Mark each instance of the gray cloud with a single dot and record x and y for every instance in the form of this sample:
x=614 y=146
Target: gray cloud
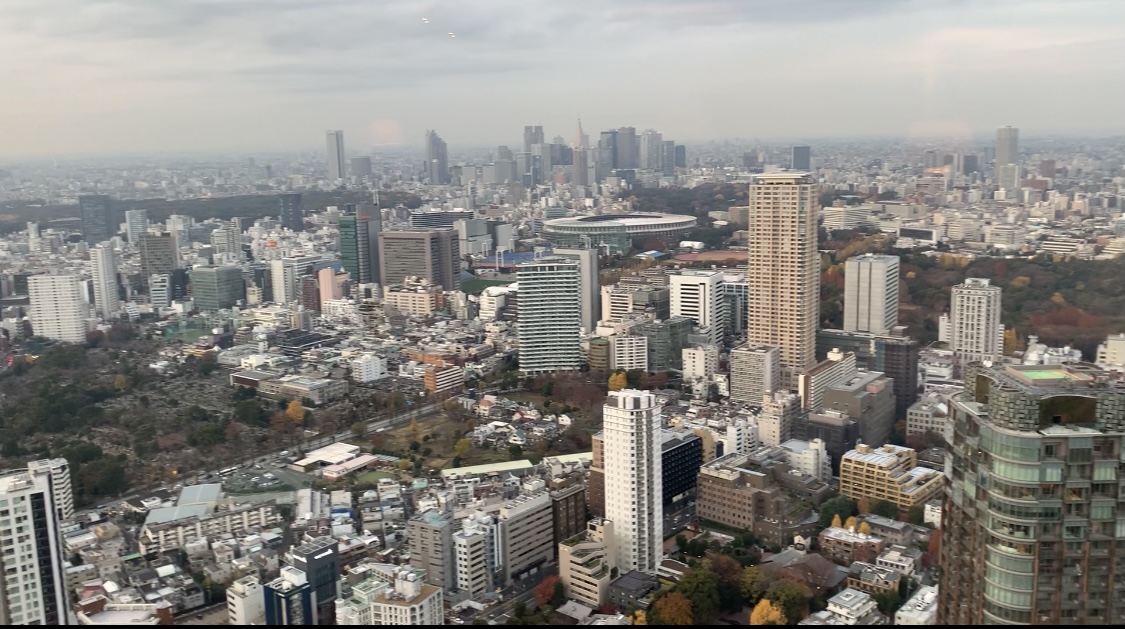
x=701 y=68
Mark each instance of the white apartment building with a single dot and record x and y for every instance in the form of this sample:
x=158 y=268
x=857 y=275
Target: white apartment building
x=784 y=288
x=409 y=601
x=176 y=533
x=103 y=262
x=633 y=442
x=930 y=413
x=975 y=331
x=550 y=315
x=586 y=563
x=477 y=553
x=847 y=217
x=809 y=457
x=32 y=590
x=839 y=367
x=246 y=603
x=1111 y=354
x=57 y=309
x=780 y=412
x=492 y=300
x=700 y=362
x=160 y=290
x=59 y=469
x=755 y=370
x=698 y=295
x=920 y=609
x=849 y=607
x=871 y=294
x=368 y=368
x=629 y=352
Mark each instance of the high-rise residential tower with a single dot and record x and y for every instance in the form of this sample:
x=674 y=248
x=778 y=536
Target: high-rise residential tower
x=549 y=315
x=58 y=310
x=437 y=159
x=801 y=159
x=651 y=153
x=1032 y=523
x=292 y=215
x=96 y=213
x=783 y=290
x=871 y=294
x=336 y=160
x=136 y=223
x=432 y=254
x=975 y=331
x=359 y=243
x=103 y=261
x=1007 y=146
x=632 y=448
x=33 y=589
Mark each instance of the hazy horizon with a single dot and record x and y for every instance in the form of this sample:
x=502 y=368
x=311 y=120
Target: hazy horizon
x=119 y=77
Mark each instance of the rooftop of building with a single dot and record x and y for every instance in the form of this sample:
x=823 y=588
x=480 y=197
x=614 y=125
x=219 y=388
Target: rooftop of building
x=884 y=456
x=636 y=583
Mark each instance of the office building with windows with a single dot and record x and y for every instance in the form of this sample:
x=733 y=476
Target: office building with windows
x=871 y=294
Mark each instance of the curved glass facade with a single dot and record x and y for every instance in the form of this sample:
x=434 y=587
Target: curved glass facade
x=1033 y=527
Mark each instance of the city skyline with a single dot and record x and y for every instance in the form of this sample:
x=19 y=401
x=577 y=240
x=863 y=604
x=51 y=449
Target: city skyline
x=940 y=81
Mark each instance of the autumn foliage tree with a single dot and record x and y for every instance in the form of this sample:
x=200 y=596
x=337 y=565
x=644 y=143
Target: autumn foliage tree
x=767 y=613
x=617 y=381
x=545 y=590
x=674 y=609
x=296 y=412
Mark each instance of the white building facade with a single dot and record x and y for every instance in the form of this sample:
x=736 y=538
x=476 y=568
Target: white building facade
x=633 y=478
x=57 y=309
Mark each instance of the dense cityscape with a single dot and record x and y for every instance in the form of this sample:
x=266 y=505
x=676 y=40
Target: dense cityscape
x=301 y=324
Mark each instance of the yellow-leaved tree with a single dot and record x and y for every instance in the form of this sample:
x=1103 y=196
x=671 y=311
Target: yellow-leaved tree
x=767 y=613
x=617 y=381
x=865 y=528
x=850 y=524
x=836 y=521
x=296 y=412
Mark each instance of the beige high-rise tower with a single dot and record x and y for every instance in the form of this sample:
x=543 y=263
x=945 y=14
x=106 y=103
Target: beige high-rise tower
x=784 y=277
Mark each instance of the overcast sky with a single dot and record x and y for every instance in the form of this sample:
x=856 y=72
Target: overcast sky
x=114 y=76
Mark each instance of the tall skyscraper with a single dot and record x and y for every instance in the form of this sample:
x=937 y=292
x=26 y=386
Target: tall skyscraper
x=432 y=254
x=58 y=310
x=104 y=263
x=227 y=241
x=975 y=331
x=668 y=158
x=549 y=315
x=437 y=159
x=158 y=253
x=292 y=215
x=801 y=158
x=33 y=590
x=607 y=151
x=589 y=286
x=1032 y=526
x=532 y=135
x=1007 y=146
x=581 y=138
x=783 y=292
x=698 y=295
x=96 y=213
x=359 y=243
x=871 y=294
x=651 y=153
x=628 y=146
x=136 y=223
x=336 y=158
x=632 y=447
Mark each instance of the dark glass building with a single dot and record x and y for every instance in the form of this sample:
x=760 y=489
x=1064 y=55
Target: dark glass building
x=96 y=213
